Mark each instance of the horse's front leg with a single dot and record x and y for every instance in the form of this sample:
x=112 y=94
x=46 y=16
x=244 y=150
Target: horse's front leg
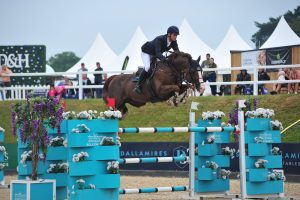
x=166 y=90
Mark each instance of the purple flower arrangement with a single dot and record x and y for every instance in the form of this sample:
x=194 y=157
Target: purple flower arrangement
x=32 y=118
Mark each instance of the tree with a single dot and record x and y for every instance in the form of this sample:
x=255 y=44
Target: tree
x=266 y=29
x=61 y=62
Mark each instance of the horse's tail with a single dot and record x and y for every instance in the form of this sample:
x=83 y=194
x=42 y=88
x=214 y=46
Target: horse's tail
x=105 y=88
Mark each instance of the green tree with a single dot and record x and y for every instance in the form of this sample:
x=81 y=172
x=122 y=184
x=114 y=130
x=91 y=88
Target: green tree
x=61 y=62
x=266 y=29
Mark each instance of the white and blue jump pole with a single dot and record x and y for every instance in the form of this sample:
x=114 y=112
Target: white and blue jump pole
x=175 y=129
x=153 y=190
x=153 y=160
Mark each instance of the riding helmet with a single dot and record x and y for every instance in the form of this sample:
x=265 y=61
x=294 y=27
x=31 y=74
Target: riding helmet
x=173 y=29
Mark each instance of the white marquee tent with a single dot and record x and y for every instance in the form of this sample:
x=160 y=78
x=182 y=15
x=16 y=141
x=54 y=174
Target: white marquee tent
x=98 y=52
x=231 y=41
x=133 y=50
x=283 y=35
x=49 y=69
x=189 y=42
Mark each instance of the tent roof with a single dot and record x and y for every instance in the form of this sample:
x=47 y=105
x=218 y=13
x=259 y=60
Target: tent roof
x=231 y=41
x=133 y=50
x=189 y=42
x=49 y=69
x=283 y=35
x=98 y=52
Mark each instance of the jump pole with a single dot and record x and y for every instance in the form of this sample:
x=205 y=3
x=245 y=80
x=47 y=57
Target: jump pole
x=241 y=104
x=192 y=156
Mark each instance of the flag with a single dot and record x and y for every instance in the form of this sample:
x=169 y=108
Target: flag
x=194 y=105
x=111 y=102
x=64 y=105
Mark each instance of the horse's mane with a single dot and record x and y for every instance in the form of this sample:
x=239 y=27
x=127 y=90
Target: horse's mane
x=179 y=59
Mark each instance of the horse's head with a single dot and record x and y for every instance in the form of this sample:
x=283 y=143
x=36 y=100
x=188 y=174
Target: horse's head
x=186 y=66
x=193 y=74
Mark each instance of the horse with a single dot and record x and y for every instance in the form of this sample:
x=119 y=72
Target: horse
x=165 y=82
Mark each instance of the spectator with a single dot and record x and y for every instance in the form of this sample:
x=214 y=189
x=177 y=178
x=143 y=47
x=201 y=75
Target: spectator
x=262 y=76
x=243 y=76
x=212 y=76
x=98 y=80
x=6 y=79
x=84 y=77
x=282 y=76
x=205 y=64
x=294 y=75
x=52 y=92
x=70 y=92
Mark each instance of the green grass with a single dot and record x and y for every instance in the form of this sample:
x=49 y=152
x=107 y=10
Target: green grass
x=286 y=107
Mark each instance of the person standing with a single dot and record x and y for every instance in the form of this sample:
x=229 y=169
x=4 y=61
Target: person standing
x=212 y=76
x=156 y=48
x=98 y=80
x=205 y=64
x=84 y=77
x=6 y=79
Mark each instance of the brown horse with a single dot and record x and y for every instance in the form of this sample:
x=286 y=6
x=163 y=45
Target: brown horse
x=166 y=82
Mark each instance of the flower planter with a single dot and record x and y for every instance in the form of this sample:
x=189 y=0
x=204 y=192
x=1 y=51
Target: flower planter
x=60 y=178
x=274 y=161
x=27 y=169
x=95 y=125
x=106 y=153
x=84 y=168
x=220 y=137
x=209 y=123
x=207 y=150
x=57 y=153
x=91 y=194
x=1 y=136
x=261 y=149
x=216 y=185
x=108 y=181
x=267 y=136
x=258 y=124
x=257 y=175
x=32 y=190
x=206 y=174
x=1 y=175
x=61 y=193
x=63 y=128
x=83 y=140
x=1 y=156
x=221 y=160
x=268 y=187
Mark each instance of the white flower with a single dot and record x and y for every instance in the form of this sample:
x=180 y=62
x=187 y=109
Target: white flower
x=2 y=129
x=260 y=113
x=110 y=114
x=80 y=156
x=212 y=115
x=225 y=173
x=65 y=143
x=276 y=125
x=92 y=186
x=80 y=181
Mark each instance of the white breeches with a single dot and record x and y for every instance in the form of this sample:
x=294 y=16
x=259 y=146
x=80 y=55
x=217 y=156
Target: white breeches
x=146 y=61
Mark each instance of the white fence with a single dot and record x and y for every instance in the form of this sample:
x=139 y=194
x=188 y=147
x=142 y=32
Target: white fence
x=19 y=92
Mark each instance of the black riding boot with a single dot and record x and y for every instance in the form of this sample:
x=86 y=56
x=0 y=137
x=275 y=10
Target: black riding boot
x=142 y=78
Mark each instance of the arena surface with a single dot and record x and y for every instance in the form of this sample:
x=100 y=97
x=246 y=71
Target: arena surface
x=291 y=189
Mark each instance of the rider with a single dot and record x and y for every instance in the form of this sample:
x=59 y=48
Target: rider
x=155 y=48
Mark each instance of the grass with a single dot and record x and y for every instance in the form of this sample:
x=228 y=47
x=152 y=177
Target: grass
x=286 y=107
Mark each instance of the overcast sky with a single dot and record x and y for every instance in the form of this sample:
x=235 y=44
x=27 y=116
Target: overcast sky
x=72 y=25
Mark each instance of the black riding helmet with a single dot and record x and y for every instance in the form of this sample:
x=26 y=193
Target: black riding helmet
x=173 y=29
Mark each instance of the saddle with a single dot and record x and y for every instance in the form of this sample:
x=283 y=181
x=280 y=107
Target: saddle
x=151 y=71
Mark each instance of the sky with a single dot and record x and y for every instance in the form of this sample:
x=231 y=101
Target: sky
x=72 y=25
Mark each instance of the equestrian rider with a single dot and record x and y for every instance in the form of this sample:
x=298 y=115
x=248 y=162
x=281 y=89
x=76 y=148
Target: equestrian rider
x=155 y=48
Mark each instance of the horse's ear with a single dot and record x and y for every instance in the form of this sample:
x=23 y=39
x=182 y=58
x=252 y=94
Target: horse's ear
x=199 y=58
